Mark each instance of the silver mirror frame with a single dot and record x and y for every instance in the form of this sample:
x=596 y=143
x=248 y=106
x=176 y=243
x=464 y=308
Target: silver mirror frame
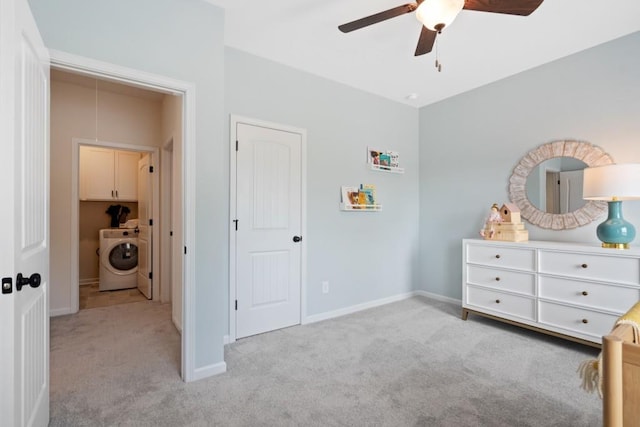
x=590 y=154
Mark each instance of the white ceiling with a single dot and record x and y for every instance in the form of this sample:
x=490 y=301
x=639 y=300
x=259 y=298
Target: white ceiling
x=478 y=47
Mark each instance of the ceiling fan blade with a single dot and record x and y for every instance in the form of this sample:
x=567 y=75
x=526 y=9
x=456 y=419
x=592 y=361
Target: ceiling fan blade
x=378 y=17
x=425 y=42
x=510 y=7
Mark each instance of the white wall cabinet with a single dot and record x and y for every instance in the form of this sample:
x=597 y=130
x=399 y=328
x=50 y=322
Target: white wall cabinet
x=107 y=174
x=575 y=291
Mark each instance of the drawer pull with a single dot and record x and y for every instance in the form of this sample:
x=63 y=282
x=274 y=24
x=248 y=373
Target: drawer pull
x=585 y=293
x=498 y=256
x=497 y=301
x=584 y=266
x=497 y=279
x=585 y=321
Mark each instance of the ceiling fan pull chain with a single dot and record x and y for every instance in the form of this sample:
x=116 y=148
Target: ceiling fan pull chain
x=438 y=63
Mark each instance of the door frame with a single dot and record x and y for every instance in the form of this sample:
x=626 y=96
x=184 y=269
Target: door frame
x=103 y=70
x=234 y=120
x=166 y=256
x=75 y=211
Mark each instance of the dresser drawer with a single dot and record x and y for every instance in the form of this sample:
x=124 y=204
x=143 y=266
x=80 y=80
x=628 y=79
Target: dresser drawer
x=575 y=319
x=596 y=295
x=518 y=259
x=495 y=301
x=514 y=281
x=595 y=267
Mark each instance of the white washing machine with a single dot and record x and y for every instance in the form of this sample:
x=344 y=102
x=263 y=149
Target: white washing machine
x=118 y=259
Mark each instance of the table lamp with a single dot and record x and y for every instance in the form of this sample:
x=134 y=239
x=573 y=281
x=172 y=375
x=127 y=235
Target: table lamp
x=613 y=184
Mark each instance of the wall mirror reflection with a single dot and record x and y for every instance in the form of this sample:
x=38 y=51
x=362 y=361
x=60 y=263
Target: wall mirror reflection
x=546 y=184
x=555 y=185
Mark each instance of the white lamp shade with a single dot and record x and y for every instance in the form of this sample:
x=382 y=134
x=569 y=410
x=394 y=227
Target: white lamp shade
x=434 y=12
x=612 y=182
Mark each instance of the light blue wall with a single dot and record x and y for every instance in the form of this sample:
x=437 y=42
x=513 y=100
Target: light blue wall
x=469 y=145
x=364 y=255
x=152 y=36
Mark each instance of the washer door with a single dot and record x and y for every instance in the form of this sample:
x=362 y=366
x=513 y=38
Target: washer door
x=123 y=258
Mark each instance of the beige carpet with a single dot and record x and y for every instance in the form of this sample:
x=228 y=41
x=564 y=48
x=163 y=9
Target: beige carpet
x=411 y=363
x=91 y=297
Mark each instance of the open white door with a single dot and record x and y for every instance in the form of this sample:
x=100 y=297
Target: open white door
x=24 y=264
x=145 y=274
x=571 y=191
x=269 y=223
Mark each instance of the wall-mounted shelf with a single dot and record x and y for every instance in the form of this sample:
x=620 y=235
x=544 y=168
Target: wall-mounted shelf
x=388 y=169
x=360 y=208
x=360 y=198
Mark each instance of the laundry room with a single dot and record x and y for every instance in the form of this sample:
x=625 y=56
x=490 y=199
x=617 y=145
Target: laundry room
x=108 y=242
x=102 y=134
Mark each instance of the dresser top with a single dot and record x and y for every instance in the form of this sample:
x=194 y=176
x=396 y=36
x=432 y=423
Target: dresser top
x=634 y=251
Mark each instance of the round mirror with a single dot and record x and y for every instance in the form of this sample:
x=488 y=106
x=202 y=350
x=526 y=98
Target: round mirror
x=544 y=202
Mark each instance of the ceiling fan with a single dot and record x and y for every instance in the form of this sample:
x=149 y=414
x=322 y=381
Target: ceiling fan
x=437 y=14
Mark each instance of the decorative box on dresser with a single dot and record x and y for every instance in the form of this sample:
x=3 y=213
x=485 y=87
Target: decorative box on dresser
x=571 y=290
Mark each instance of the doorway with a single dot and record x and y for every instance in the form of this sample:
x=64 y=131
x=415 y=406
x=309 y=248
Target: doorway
x=124 y=123
x=267 y=256
x=185 y=137
x=115 y=257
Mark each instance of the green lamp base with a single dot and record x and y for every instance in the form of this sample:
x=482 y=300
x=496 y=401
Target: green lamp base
x=616 y=232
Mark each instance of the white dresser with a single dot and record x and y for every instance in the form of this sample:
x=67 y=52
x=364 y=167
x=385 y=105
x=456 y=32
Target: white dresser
x=572 y=290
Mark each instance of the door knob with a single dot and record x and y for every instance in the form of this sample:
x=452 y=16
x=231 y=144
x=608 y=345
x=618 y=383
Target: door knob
x=297 y=238
x=33 y=281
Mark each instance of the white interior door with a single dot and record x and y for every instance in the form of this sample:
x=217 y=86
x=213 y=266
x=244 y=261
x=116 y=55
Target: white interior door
x=145 y=224
x=268 y=252
x=571 y=191
x=24 y=150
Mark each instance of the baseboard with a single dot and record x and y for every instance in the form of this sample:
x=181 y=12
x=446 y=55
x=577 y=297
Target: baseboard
x=175 y=325
x=438 y=297
x=376 y=303
x=355 y=308
x=84 y=282
x=209 y=371
x=60 y=312
x=226 y=340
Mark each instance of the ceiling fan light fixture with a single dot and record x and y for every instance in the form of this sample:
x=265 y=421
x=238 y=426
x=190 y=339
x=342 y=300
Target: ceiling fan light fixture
x=437 y=14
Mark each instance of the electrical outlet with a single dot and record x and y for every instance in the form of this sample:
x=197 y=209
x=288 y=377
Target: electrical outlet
x=325 y=287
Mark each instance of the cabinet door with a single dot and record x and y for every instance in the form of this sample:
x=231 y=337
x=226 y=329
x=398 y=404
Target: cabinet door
x=126 y=175
x=96 y=173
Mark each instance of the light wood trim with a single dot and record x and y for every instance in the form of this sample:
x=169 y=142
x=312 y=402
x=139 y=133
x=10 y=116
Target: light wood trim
x=621 y=378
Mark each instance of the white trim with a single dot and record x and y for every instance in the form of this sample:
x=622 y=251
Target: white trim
x=164 y=224
x=187 y=90
x=356 y=308
x=115 y=73
x=209 y=371
x=376 y=303
x=437 y=297
x=234 y=120
x=61 y=312
x=225 y=339
x=233 y=129
x=189 y=234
